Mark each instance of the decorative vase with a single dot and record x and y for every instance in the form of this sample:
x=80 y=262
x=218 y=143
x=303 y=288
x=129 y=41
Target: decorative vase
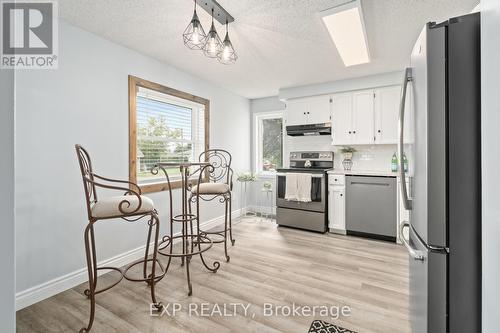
x=347 y=164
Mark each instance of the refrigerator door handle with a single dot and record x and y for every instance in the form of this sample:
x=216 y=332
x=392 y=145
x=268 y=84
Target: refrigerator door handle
x=407 y=203
x=415 y=254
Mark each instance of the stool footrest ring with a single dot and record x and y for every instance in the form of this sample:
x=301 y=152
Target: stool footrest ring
x=214 y=233
x=167 y=241
x=160 y=274
x=120 y=278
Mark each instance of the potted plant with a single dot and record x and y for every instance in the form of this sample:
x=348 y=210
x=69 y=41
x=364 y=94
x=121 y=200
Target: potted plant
x=246 y=177
x=347 y=152
x=267 y=186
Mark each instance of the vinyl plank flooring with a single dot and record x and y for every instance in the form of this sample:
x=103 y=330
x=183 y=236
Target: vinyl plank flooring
x=269 y=264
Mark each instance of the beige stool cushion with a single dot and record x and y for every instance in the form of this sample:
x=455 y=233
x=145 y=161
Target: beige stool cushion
x=109 y=207
x=211 y=188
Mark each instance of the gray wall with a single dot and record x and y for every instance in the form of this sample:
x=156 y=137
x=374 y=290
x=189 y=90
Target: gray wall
x=490 y=28
x=86 y=101
x=7 y=278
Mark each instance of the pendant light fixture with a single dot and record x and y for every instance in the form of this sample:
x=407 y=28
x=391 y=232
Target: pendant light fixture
x=213 y=44
x=227 y=55
x=194 y=36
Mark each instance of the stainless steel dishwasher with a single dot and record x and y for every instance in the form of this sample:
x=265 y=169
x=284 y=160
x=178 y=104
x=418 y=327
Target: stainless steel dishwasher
x=371 y=206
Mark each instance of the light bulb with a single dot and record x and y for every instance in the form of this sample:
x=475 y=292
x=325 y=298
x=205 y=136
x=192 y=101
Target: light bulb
x=212 y=45
x=226 y=53
x=196 y=36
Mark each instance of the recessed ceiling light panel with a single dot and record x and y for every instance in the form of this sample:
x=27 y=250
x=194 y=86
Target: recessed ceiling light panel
x=347 y=29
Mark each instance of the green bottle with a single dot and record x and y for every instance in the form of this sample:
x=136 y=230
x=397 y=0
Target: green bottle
x=405 y=163
x=394 y=163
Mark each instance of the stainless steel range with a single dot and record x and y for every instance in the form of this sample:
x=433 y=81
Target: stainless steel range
x=305 y=215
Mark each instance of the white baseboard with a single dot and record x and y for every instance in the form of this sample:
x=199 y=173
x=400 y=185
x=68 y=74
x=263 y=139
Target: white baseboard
x=50 y=288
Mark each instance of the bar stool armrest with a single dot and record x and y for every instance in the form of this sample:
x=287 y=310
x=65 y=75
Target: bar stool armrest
x=131 y=184
x=128 y=191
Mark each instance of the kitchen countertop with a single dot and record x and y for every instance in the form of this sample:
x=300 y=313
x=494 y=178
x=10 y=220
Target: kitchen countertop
x=363 y=173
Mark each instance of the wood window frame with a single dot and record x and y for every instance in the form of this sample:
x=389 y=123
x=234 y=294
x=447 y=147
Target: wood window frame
x=134 y=83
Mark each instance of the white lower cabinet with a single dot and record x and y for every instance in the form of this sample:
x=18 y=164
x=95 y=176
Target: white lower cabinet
x=336 y=205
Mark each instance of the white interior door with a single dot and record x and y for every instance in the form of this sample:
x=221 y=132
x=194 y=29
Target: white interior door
x=386 y=114
x=342 y=119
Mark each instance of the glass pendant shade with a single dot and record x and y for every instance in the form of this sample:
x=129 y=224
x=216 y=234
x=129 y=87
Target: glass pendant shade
x=227 y=55
x=194 y=36
x=213 y=44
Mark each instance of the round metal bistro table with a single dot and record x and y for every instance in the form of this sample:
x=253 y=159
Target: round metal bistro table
x=192 y=241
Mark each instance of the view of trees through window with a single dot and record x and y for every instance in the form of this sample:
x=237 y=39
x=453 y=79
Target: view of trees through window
x=166 y=133
x=272 y=144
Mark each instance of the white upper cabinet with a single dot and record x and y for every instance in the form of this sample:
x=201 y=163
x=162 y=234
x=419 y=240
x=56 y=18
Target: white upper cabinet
x=311 y=110
x=296 y=112
x=386 y=114
x=366 y=117
x=352 y=118
x=342 y=119
x=362 y=111
x=319 y=110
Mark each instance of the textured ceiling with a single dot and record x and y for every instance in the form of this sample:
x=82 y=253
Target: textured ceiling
x=280 y=43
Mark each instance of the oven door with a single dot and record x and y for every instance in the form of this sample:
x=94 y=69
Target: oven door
x=318 y=194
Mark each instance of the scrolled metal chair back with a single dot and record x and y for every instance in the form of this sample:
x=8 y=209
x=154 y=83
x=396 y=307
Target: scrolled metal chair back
x=87 y=177
x=220 y=160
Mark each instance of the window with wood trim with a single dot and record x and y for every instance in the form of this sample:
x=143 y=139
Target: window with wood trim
x=165 y=125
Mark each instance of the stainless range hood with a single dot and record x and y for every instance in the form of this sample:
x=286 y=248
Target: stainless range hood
x=312 y=129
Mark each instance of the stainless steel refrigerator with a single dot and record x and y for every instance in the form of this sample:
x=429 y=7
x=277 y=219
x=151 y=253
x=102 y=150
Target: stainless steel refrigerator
x=440 y=135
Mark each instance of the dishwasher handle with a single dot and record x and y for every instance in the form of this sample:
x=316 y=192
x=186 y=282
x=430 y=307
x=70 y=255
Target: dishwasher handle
x=369 y=183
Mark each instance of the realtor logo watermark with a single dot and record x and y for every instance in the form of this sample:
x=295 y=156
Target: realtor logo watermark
x=29 y=34
x=247 y=310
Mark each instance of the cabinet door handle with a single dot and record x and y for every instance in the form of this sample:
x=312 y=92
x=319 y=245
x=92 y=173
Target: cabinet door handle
x=341 y=195
x=350 y=132
x=354 y=132
x=379 y=131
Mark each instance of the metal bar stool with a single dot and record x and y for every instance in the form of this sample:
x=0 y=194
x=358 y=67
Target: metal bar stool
x=130 y=206
x=193 y=241
x=218 y=186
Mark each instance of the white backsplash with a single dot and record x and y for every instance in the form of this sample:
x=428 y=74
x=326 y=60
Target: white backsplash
x=367 y=157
